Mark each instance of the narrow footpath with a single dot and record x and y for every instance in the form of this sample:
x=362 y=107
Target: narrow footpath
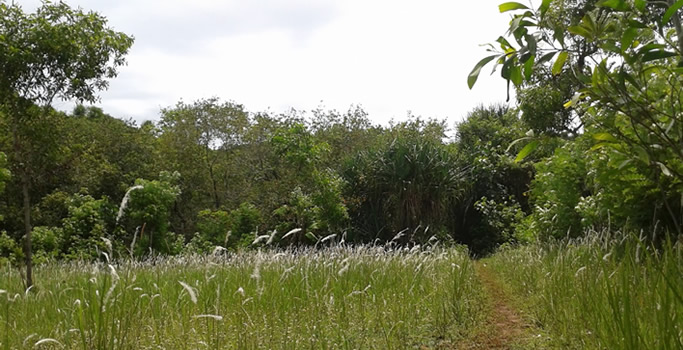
x=504 y=327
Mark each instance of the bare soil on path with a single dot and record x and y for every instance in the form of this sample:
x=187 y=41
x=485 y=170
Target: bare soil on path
x=504 y=327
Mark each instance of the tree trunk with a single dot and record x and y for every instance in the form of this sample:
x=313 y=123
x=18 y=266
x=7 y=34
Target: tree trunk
x=28 y=251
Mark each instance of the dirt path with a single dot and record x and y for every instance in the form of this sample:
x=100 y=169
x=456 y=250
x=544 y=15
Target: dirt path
x=505 y=328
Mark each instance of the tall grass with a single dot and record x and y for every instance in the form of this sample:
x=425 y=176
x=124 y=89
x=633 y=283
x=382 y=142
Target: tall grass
x=338 y=298
x=602 y=292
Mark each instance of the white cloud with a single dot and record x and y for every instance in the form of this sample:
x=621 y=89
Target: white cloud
x=389 y=56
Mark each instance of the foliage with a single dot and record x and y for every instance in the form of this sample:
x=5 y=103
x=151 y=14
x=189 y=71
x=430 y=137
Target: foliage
x=407 y=183
x=300 y=216
x=56 y=52
x=150 y=209
x=556 y=192
x=624 y=57
x=10 y=251
x=47 y=243
x=214 y=226
x=88 y=222
x=4 y=173
x=497 y=184
x=245 y=220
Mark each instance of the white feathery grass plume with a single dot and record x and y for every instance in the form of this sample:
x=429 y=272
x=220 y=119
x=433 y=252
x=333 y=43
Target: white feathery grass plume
x=124 y=201
x=47 y=341
x=114 y=282
x=240 y=291
x=227 y=237
x=328 y=237
x=272 y=237
x=218 y=250
x=107 y=243
x=132 y=244
x=256 y=274
x=215 y=317
x=32 y=335
x=190 y=291
x=260 y=239
x=579 y=271
x=399 y=235
x=291 y=232
x=343 y=269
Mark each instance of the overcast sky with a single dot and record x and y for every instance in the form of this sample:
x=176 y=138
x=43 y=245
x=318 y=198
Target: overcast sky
x=390 y=57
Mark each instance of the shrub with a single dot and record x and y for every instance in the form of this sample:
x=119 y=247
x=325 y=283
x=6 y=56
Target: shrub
x=214 y=226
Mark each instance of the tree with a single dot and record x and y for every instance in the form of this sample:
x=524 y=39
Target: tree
x=627 y=57
x=56 y=52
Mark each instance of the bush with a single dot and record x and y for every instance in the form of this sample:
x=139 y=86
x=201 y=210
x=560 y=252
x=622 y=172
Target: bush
x=88 y=221
x=406 y=184
x=10 y=250
x=245 y=220
x=46 y=243
x=149 y=208
x=214 y=226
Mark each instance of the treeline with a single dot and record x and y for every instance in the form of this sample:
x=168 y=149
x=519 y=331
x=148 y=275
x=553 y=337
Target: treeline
x=211 y=173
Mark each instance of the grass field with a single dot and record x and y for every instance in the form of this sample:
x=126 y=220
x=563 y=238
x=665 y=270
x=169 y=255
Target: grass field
x=599 y=293
x=602 y=292
x=337 y=298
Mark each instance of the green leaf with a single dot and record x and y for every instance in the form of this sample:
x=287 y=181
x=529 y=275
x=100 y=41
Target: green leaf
x=504 y=44
x=628 y=37
x=545 y=5
x=547 y=57
x=530 y=147
x=530 y=135
x=671 y=11
x=474 y=75
x=600 y=145
x=529 y=67
x=582 y=31
x=511 y=6
x=618 y=5
x=516 y=75
x=559 y=63
x=640 y=4
x=506 y=71
x=657 y=55
x=603 y=136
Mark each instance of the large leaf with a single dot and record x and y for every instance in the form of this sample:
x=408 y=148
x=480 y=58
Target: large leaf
x=516 y=75
x=530 y=147
x=671 y=11
x=582 y=31
x=657 y=55
x=511 y=6
x=559 y=63
x=474 y=75
x=628 y=38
